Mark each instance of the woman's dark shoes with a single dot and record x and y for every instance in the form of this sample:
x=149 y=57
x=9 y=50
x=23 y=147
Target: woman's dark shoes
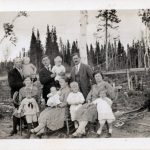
x=13 y=132
x=40 y=135
x=108 y=135
x=99 y=135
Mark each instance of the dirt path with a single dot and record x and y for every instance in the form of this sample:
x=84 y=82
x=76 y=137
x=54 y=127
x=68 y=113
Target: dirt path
x=131 y=129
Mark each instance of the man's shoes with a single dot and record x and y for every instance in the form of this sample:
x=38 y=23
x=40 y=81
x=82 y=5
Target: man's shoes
x=78 y=135
x=13 y=132
x=108 y=135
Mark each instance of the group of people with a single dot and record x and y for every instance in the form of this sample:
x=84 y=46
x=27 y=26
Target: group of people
x=84 y=92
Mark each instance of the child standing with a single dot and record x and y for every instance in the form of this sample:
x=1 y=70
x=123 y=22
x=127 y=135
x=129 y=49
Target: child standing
x=28 y=69
x=58 y=69
x=104 y=112
x=75 y=99
x=31 y=110
x=53 y=97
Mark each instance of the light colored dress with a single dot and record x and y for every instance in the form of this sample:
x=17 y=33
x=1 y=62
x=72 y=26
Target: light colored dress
x=58 y=70
x=22 y=95
x=53 y=100
x=28 y=70
x=75 y=100
x=89 y=112
x=54 y=118
x=104 y=109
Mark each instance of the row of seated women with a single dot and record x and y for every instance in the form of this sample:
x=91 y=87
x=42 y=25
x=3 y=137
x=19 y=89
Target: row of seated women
x=97 y=105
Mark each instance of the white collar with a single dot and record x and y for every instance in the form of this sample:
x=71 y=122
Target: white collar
x=49 y=66
x=18 y=69
x=78 y=66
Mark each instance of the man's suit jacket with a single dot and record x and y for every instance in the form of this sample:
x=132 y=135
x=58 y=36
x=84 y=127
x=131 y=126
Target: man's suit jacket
x=47 y=81
x=15 y=81
x=86 y=74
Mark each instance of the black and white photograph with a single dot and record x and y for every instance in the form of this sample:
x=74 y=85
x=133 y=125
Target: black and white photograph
x=75 y=74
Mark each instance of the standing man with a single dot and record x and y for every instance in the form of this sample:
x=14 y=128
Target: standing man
x=15 y=77
x=15 y=80
x=82 y=74
x=46 y=76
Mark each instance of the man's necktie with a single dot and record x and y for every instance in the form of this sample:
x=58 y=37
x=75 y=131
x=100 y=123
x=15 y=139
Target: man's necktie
x=76 y=69
x=48 y=68
x=20 y=71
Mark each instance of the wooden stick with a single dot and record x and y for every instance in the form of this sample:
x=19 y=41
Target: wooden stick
x=20 y=126
x=144 y=124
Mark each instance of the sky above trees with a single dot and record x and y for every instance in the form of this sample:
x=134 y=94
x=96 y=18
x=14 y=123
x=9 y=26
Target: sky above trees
x=68 y=28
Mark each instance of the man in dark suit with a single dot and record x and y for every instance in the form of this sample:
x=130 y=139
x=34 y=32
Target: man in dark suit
x=82 y=74
x=46 y=77
x=15 y=80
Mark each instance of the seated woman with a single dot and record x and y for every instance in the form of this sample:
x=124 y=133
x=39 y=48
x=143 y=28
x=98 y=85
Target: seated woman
x=88 y=112
x=22 y=95
x=54 y=117
x=34 y=90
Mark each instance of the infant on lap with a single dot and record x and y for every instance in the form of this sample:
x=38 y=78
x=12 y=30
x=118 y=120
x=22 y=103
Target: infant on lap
x=53 y=100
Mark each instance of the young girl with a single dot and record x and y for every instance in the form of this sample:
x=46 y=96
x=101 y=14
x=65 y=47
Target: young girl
x=28 y=69
x=75 y=100
x=53 y=97
x=104 y=112
x=58 y=69
x=31 y=110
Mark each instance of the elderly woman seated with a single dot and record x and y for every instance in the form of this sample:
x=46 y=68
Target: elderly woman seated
x=88 y=112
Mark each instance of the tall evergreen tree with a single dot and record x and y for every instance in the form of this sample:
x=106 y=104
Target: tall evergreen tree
x=97 y=53
x=52 y=49
x=108 y=17
x=88 y=54
x=33 y=55
x=103 y=54
x=55 y=44
x=121 y=56
x=91 y=56
x=48 y=43
x=74 y=48
x=68 y=54
x=39 y=50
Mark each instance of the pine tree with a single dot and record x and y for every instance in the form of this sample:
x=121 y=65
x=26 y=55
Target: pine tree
x=55 y=44
x=97 y=53
x=33 y=55
x=134 y=55
x=39 y=51
x=128 y=56
x=91 y=56
x=68 y=54
x=121 y=56
x=65 y=53
x=103 y=53
x=52 y=49
x=88 y=54
x=74 y=48
x=48 y=43
x=109 y=17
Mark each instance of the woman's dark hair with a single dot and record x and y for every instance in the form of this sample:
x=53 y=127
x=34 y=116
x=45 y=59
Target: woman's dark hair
x=65 y=78
x=98 y=72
